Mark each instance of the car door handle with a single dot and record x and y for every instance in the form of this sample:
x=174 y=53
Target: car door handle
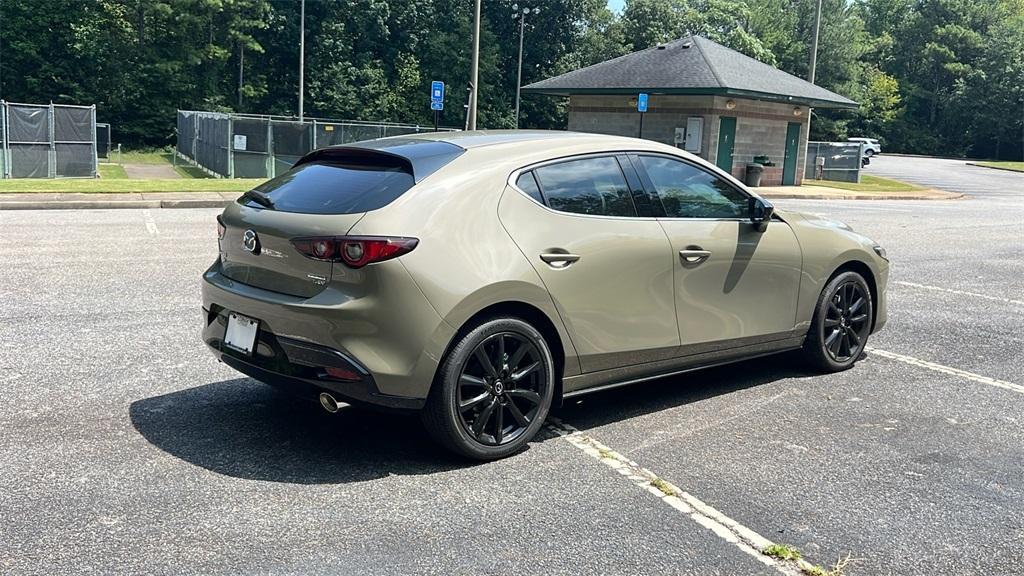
x=693 y=256
x=559 y=259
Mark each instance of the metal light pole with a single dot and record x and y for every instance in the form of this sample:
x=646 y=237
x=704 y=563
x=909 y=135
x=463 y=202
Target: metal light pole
x=241 y=72
x=474 y=69
x=522 y=26
x=814 y=44
x=302 y=57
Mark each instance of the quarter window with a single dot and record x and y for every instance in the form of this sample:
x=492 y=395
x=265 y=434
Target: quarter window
x=689 y=192
x=593 y=186
x=528 y=184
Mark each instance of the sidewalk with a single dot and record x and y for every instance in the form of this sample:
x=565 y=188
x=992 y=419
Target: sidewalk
x=79 y=201
x=827 y=193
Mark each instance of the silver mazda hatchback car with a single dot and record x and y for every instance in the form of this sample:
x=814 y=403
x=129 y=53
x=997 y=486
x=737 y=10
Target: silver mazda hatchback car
x=482 y=277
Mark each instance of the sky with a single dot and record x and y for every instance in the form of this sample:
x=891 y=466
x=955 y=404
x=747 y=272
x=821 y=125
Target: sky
x=616 y=5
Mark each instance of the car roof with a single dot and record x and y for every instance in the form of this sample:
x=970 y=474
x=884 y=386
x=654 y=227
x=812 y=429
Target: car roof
x=428 y=151
x=469 y=139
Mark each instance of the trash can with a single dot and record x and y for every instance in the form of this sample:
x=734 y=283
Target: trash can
x=754 y=172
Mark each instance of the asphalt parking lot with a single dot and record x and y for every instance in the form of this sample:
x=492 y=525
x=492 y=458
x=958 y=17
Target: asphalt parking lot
x=126 y=448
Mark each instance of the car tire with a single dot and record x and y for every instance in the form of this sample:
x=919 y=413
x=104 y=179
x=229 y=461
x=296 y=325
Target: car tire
x=493 y=390
x=869 y=153
x=841 y=324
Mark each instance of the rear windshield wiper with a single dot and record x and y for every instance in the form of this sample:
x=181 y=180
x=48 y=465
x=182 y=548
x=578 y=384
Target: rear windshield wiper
x=259 y=198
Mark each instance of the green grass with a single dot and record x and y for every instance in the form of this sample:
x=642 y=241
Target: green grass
x=1018 y=166
x=144 y=156
x=664 y=487
x=112 y=172
x=114 y=180
x=867 y=183
x=116 y=185
x=782 y=552
x=160 y=156
x=190 y=171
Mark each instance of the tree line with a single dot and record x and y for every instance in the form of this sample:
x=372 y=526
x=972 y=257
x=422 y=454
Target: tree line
x=932 y=76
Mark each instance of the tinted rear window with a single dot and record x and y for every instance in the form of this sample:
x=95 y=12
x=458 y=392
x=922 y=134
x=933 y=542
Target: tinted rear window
x=527 y=184
x=587 y=186
x=337 y=187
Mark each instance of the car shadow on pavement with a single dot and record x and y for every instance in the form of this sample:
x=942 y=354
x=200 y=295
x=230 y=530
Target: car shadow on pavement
x=600 y=408
x=245 y=429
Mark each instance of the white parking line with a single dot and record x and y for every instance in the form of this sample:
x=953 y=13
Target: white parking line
x=724 y=527
x=150 y=223
x=959 y=292
x=947 y=370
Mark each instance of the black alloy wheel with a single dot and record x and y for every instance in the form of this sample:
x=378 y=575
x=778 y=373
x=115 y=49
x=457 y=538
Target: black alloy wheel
x=500 y=388
x=847 y=323
x=493 y=390
x=841 y=324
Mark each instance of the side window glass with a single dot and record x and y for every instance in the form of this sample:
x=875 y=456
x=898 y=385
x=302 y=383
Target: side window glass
x=593 y=186
x=689 y=192
x=528 y=184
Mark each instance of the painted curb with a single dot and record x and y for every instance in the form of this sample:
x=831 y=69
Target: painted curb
x=112 y=204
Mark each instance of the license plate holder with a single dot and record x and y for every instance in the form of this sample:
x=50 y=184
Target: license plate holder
x=241 y=332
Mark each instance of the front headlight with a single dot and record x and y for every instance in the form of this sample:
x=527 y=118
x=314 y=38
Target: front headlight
x=881 y=252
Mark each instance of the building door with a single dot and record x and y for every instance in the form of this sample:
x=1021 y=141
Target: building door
x=789 y=165
x=726 y=143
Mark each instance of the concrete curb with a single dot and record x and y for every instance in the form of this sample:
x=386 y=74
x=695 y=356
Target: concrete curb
x=902 y=155
x=855 y=197
x=111 y=204
x=996 y=168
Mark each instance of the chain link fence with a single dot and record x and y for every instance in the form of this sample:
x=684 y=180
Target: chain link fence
x=836 y=161
x=47 y=141
x=252 y=146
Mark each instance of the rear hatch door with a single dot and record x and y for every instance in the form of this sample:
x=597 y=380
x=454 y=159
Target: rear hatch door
x=323 y=195
x=257 y=250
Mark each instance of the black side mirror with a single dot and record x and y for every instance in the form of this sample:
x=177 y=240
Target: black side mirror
x=760 y=213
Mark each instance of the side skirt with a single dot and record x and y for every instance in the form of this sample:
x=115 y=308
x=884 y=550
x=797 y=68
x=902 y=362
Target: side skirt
x=608 y=379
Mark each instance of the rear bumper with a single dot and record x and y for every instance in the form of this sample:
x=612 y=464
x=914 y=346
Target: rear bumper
x=387 y=331
x=298 y=367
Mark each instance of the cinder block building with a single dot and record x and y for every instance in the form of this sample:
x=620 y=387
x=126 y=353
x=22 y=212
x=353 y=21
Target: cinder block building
x=708 y=99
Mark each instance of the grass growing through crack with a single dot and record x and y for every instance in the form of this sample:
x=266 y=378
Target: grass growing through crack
x=781 y=551
x=665 y=487
x=606 y=453
x=837 y=570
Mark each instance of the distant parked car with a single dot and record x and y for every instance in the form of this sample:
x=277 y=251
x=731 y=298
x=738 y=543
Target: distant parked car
x=871 y=145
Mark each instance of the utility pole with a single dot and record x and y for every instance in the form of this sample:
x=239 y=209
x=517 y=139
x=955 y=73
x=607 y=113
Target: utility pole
x=810 y=77
x=474 y=69
x=814 y=44
x=522 y=26
x=302 y=57
x=241 y=72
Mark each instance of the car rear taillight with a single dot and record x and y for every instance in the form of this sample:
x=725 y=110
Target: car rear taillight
x=221 y=229
x=354 y=251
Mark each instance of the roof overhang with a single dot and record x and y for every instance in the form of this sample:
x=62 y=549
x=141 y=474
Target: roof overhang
x=748 y=94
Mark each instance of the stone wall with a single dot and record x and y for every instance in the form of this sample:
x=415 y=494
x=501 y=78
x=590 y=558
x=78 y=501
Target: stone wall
x=760 y=126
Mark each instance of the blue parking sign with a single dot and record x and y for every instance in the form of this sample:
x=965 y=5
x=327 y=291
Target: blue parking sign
x=437 y=91
x=436 y=105
x=641 y=102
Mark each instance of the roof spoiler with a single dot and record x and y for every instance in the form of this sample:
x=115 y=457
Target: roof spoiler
x=419 y=157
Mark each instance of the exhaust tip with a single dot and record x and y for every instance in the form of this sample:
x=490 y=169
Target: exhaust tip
x=330 y=403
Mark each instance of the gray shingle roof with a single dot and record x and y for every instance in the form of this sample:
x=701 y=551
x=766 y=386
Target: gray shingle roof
x=691 y=65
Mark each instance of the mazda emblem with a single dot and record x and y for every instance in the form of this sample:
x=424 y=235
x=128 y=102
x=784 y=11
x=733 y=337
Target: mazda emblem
x=251 y=242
